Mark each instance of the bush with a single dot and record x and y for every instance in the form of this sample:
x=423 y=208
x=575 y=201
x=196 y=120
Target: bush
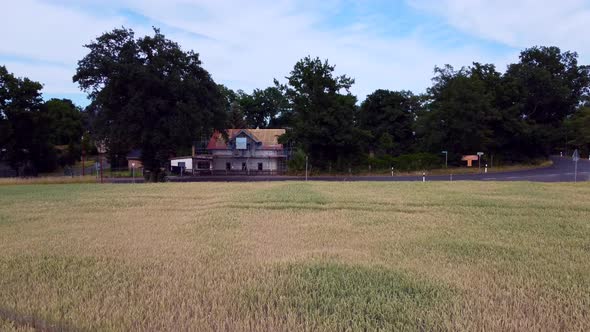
x=416 y=162
x=381 y=162
x=407 y=162
x=297 y=162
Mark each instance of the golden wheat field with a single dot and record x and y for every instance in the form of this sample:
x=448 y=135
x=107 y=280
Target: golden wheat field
x=295 y=256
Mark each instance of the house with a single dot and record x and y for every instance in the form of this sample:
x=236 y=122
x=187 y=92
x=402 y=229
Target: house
x=246 y=151
x=134 y=159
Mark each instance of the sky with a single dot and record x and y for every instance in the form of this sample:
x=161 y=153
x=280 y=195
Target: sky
x=382 y=44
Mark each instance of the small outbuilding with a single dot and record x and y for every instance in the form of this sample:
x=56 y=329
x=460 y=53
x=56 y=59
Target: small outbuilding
x=182 y=162
x=134 y=159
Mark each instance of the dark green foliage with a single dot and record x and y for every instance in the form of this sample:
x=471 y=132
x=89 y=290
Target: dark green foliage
x=324 y=115
x=263 y=108
x=407 y=162
x=417 y=161
x=25 y=132
x=65 y=121
x=461 y=112
x=148 y=93
x=578 y=128
x=236 y=117
x=297 y=162
x=389 y=117
x=542 y=90
x=517 y=116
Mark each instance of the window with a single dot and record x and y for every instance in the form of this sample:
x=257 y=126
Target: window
x=260 y=166
x=241 y=143
x=244 y=167
x=228 y=166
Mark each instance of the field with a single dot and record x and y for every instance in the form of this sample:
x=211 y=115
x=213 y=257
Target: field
x=295 y=256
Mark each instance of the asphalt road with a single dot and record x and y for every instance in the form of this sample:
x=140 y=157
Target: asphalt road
x=562 y=170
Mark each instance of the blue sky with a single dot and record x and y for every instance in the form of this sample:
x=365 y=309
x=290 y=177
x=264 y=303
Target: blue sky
x=246 y=44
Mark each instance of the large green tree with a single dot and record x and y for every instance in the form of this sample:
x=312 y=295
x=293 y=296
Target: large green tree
x=578 y=129
x=263 y=107
x=236 y=116
x=66 y=128
x=544 y=88
x=148 y=93
x=389 y=117
x=24 y=131
x=461 y=111
x=324 y=114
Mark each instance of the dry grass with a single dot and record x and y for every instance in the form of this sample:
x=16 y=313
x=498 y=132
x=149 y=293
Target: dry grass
x=48 y=180
x=295 y=256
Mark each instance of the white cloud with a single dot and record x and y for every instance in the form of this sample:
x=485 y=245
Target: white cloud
x=254 y=42
x=519 y=23
x=55 y=79
x=243 y=44
x=51 y=33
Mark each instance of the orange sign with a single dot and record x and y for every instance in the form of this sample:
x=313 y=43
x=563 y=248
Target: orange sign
x=470 y=159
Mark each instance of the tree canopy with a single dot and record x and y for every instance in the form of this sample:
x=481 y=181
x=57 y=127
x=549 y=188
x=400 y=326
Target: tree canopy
x=389 y=117
x=324 y=113
x=148 y=93
x=24 y=130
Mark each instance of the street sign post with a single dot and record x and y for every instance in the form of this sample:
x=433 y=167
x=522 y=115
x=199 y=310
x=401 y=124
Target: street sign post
x=446 y=153
x=576 y=158
x=479 y=154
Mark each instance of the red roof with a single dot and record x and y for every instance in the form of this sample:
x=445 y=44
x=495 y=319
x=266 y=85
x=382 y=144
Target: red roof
x=268 y=137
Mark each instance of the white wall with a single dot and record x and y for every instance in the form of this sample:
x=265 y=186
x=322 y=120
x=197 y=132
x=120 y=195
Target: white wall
x=188 y=162
x=268 y=164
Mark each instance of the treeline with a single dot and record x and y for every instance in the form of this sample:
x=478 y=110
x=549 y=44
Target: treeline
x=148 y=93
x=537 y=107
x=36 y=135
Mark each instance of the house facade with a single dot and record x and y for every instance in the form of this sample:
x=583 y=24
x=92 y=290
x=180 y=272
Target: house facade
x=245 y=151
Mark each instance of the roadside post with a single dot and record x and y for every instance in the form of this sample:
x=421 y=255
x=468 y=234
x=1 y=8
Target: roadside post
x=446 y=153
x=391 y=170
x=423 y=176
x=306 y=168
x=133 y=171
x=479 y=154
x=486 y=169
x=83 y=156
x=101 y=149
x=576 y=158
x=100 y=158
